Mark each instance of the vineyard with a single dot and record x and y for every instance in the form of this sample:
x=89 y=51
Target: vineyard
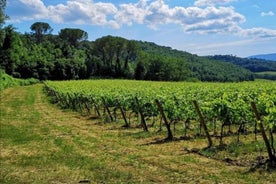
x=220 y=112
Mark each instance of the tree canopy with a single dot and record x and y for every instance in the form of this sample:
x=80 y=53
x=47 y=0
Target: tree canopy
x=73 y=35
x=3 y=16
x=39 y=29
x=69 y=55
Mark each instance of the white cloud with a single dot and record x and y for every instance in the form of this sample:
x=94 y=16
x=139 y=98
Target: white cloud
x=74 y=11
x=242 y=47
x=83 y=12
x=28 y=10
x=152 y=13
x=209 y=19
x=191 y=19
x=130 y=13
x=211 y=2
x=257 y=32
x=270 y=13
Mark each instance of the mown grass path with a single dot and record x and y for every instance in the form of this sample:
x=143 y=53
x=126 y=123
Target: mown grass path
x=41 y=143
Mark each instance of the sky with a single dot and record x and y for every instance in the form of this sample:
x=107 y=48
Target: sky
x=203 y=27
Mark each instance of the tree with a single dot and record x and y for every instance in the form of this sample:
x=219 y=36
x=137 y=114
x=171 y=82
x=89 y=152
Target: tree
x=2 y=20
x=116 y=54
x=39 y=29
x=12 y=51
x=3 y=16
x=73 y=36
x=139 y=72
x=131 y=55
x=154 y=71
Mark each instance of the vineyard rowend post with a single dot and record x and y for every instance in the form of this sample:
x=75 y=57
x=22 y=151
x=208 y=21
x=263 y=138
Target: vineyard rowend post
x=123 y=114
x=258 y=117
x=95 y=106
x=203 y=124
x=143 y=122
x=170 y=135
x=106 y=107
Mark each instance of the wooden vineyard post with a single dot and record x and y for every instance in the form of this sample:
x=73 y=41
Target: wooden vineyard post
x=203 y=124
x=123 y=114
x=160 y=108
x=96 y=107
x=87 y=108
x=258 y=117
x=143 y=122
x=106 y=107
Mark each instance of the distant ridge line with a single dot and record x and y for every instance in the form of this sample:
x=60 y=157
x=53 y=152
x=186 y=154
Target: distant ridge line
x=269 y=57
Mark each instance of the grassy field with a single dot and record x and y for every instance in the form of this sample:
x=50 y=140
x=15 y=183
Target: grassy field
x=42 y=144
x=268 y=72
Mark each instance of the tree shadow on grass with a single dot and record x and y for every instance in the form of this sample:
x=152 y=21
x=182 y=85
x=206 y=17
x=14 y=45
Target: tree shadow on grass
x=167 y=140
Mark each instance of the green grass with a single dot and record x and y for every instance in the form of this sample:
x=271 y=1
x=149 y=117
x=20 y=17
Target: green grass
x=42 y=144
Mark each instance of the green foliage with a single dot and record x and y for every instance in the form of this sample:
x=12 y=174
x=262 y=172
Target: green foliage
x=73 y=36
x=8 y=81
x=252 y=64
x=117 y=54
x=12 y=51
x=139 y=73
x=3 y=17
x=69 y=55
x=200 y=68
x=160 y=68
x=39 y=29
x=61 y=147
x=2 y=13
x=229 y=102
x=269 y=75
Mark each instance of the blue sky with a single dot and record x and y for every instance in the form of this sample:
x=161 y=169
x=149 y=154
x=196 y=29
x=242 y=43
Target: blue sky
x=203 y=27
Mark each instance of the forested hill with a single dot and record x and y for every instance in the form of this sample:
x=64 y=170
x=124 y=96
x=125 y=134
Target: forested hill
x=268 y=57
x=252 y=64
x=69 y=55
x=202 y=68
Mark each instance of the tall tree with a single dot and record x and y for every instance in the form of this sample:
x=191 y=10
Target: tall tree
x=73 y=36
x=131 y=55
x=12 y=51
x=139 y=72
x=39 y=29
x=3 y=16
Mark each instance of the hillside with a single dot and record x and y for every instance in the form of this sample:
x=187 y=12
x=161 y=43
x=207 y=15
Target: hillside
x=70 y=55
x=202 y=68
x=268 y=57
x=254 y=65
x=266 y=75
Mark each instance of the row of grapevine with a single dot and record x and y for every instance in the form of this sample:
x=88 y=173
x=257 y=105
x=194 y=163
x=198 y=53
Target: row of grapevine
x=223 y=103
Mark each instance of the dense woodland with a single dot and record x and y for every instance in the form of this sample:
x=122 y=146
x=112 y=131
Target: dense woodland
x=69 y=55
x=252 y=64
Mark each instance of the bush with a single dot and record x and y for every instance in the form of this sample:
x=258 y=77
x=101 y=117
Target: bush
x=8 y=81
